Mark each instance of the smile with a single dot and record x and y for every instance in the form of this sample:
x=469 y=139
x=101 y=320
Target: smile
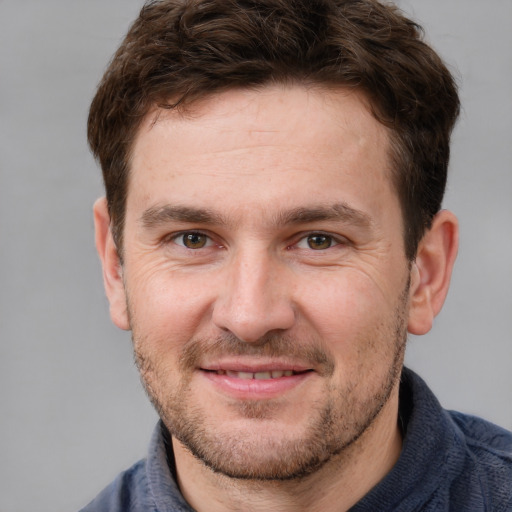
x=274 y=374
x=261 y=383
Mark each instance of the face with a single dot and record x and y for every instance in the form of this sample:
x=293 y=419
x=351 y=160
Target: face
x=265 y=277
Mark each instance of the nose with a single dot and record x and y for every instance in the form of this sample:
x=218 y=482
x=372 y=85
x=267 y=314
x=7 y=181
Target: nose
x=255 y=297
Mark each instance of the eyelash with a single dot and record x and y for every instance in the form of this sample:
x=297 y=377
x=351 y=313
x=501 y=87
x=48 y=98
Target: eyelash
x=181 y=236
x=332 y=240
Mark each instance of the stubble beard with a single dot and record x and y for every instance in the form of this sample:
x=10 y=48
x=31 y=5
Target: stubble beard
x=333 y=428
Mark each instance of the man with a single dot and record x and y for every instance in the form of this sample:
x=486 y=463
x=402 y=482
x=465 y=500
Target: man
x=271 y=231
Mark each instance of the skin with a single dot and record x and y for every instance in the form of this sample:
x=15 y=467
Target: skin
x=263 y=234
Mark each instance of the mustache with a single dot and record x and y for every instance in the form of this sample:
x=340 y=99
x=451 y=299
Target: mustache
x=272 y=345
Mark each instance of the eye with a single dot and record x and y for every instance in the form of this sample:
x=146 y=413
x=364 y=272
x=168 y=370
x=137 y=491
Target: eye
x=317 y=242
x=193 y=240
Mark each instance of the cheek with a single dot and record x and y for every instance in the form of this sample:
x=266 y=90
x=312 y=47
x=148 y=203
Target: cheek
x=348 y=312
x=340 y=297
x=166 y=309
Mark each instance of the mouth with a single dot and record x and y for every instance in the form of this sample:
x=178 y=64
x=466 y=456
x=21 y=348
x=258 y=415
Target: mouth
x=260 y=375
x=258 y=382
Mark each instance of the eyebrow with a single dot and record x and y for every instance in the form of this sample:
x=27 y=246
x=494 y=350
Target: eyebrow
x=174 y=213
x=341 y=212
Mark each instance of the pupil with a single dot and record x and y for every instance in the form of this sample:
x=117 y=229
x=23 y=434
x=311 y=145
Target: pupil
x=194 y=240
x=319 y=242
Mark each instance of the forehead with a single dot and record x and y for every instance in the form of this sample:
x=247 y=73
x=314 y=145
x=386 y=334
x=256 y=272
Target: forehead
x=270 y=111
x=278 y=144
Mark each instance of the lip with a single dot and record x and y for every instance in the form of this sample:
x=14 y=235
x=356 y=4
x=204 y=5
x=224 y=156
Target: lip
x=255 y=366
x=222 y=375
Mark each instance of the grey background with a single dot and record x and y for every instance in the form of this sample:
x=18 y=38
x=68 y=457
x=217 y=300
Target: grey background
x=73 y=413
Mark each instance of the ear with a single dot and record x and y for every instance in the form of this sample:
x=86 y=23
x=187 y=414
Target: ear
x=432 y=270
x=112 y=269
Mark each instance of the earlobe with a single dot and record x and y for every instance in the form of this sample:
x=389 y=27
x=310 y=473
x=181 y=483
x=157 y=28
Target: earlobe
x=112 y=269
x=431 y=271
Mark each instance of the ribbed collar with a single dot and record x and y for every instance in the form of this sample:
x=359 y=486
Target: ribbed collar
x=432 y=450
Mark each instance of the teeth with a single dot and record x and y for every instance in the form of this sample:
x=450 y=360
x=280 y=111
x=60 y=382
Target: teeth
x=275 y=374
x=240 y=375
x=262 y=375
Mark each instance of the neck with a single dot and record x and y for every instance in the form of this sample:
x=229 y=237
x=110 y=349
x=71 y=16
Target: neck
x=336 y=486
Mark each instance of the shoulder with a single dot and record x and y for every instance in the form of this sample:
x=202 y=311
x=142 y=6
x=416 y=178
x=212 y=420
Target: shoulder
x=454 y=458
x=127 y=493
x=148 y=485
x=488 y=450
x=484 y=436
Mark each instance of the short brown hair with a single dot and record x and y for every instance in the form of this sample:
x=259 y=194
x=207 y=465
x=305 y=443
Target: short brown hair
x=178 y=51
